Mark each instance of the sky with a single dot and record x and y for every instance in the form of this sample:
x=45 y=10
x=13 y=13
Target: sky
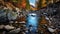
x=32 y=2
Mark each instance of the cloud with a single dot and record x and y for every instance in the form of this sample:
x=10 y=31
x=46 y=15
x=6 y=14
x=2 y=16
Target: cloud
x=32 y=4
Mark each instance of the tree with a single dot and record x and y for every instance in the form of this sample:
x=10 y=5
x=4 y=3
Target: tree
x=14 y=0
x=39 y=4
x=27 y=5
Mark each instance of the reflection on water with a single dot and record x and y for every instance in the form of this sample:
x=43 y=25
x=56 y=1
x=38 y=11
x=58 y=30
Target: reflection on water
x=32 y=22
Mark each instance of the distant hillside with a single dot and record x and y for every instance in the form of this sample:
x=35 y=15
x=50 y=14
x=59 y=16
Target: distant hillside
x=33 y=7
